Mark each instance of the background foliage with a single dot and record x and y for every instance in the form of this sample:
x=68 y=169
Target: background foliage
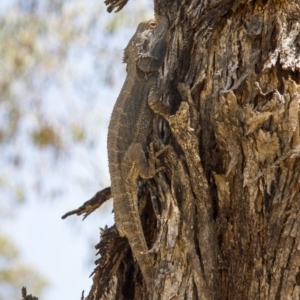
x=60 y=76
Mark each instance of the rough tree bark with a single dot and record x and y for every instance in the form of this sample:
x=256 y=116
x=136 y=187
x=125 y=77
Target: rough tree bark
x=223 y=218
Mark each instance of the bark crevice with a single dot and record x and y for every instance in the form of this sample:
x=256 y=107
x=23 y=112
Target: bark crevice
x=228 y=199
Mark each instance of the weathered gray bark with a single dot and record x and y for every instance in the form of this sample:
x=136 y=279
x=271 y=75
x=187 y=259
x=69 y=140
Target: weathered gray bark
x=225 y=217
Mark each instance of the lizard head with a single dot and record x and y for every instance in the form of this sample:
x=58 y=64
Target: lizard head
x=146 y=50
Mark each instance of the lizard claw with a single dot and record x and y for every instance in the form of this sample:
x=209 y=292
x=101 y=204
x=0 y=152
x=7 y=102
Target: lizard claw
x=153 y=157
x=158 y=153
x=159 y=169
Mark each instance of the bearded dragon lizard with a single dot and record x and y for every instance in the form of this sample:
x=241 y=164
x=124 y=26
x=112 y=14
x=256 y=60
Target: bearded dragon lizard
x=128 y=131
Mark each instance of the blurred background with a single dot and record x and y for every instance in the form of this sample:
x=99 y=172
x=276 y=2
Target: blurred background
x=60 y=73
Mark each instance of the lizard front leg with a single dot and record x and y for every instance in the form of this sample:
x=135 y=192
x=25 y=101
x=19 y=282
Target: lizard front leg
x=137 y=165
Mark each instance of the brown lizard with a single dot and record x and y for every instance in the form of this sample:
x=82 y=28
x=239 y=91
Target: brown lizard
x=128 y=131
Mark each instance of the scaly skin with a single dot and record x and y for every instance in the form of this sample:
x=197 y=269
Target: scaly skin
x=128 y=131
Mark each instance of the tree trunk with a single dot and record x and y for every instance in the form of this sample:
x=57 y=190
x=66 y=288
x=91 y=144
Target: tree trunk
x=224 y=218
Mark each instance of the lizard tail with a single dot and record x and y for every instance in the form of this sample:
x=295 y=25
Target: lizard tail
x=130 y=226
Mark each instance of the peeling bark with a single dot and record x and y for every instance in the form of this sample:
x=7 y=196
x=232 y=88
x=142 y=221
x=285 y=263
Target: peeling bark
x=223 y=218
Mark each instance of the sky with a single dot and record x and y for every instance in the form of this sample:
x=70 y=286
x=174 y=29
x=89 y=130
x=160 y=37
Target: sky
x=83 y=91
x=60 y=250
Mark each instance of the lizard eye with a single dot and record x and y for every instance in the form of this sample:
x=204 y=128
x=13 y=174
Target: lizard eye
x=151 y=24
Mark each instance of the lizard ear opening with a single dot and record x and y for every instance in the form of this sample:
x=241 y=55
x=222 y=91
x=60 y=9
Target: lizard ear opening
x=148 y=64
x=153 y=60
